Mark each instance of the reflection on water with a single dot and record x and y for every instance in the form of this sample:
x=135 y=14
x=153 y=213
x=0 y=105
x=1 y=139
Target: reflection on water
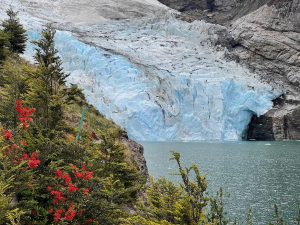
x=255 y=174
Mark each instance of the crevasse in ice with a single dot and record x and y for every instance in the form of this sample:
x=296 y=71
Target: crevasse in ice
x=158 y=77
x=210 y=106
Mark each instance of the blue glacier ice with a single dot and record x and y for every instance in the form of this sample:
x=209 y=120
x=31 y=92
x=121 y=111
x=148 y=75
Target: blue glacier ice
x=210 y=105
x=156 y=76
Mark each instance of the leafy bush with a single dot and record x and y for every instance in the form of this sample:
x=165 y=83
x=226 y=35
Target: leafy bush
x=49 y=176
x=183 y=204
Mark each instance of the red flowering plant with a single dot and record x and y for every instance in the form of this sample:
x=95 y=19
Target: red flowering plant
x=14 y=146
x=70 y=195
x=24 y=114
x=17 y=160
x=68 y=192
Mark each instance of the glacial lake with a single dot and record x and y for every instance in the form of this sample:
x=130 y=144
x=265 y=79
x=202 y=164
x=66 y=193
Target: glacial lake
x=257 y=175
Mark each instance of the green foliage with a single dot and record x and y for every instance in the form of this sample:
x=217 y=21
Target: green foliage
x=4 y=42
x=138 y=220
x=49 y=62
x=14 y=76
x=75 y=95
x=14 y=181
x=278 y=218
x=4 y=199
x=16 y=33
x=47 y=87
x=14 y=216
x=183 y=204
x=165 y=202
x=116 y=188
x=116 y=179
x=8 y=213
x=249 y=218
x=114 y=161
x=195 y=190
x=217 y=209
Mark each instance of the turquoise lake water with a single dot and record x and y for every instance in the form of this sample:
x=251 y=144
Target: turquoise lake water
x=257 y=175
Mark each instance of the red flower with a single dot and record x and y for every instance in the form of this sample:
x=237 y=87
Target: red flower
x=51 y=210
x=57 y=196
x=88 y=175
x=70 y=214
x=33 y=164
x=72 y=188
x=59 y=174
x=24 y=157
x=67 y=179
x=18 y=105
x=86 y=191
x=83 y=167
x=34 y=156
x=65 y=176
x=57 y=215
x=24 y=114
x=25 y=125
x=33 y=161
x=78 y=175
x=55 y=193
x=7 y=134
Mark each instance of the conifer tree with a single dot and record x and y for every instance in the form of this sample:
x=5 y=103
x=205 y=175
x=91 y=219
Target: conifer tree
x=194 y=189
x=3 y=45
x=127 y=174
x=217 y=210
x=16 y=33
x=47 y=58
x=47 y=90
x=13 y=76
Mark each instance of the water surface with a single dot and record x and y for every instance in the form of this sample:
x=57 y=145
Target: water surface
x=257 y=175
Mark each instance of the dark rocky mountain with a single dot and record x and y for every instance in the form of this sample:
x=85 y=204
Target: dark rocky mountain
x=265 y=36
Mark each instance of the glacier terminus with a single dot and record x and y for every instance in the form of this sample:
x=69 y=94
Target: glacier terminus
x=156 y=76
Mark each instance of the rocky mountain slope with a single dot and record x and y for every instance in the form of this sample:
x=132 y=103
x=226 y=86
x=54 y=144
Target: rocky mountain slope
x=157 y=76
x=270 y=44
x=265 y=37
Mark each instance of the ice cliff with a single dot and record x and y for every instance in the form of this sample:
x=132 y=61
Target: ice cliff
x=157 y=77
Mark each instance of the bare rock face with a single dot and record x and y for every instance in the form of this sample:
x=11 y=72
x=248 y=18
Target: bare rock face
x=185 y=5
x=269 y=43
x=283 y=124
x=265 y=36
x=215 y=11
x=137 y=153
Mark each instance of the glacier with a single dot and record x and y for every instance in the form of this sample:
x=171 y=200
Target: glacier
x=157 y=77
